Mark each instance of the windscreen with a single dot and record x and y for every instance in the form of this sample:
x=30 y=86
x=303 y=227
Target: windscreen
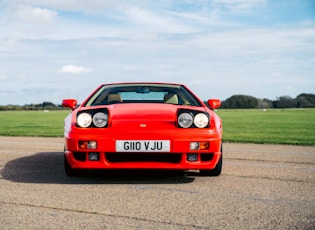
x=142 y=93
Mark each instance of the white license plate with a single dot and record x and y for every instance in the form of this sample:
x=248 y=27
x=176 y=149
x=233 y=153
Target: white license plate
x=143 y=146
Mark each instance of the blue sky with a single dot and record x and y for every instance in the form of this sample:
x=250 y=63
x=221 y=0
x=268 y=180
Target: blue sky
x=50 y=50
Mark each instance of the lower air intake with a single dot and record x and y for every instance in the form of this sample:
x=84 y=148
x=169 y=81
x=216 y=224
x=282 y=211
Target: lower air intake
x=143 y=157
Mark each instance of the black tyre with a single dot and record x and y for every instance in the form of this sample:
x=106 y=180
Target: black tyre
x=217 y=170
x=71 y=171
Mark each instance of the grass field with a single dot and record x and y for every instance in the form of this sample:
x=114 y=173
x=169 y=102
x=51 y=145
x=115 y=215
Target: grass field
x=32 y=123
x=275 y=126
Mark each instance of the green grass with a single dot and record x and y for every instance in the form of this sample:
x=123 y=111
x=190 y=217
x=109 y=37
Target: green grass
x=275 y=126
x=32 y=123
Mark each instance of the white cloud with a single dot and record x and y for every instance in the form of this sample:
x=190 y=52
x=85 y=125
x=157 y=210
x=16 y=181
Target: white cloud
x=130 y=18
x=25 y=22
x=151 y=20
x=37 y=14
x=73 y=69
x=240 y=5
x=3 y=78
x=96 y=6
x=88 y=7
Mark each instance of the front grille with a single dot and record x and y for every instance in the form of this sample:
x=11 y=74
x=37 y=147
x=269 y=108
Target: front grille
x=143 y=157
x=206 y=156
x=79 y=156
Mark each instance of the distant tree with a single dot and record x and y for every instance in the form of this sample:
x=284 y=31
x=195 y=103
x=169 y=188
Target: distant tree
x=8 y=107
x=285 y=102
x=240 y=102
x=265 y=103
x=48 y=104
x=305 y=100
x=31 y=107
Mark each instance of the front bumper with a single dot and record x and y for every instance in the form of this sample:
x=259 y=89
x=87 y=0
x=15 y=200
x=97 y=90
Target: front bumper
x=176 y=158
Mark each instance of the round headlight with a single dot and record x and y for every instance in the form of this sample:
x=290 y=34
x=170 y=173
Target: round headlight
x=185 y=120
x=100 y=119
x=201 y=120
x=84 y=120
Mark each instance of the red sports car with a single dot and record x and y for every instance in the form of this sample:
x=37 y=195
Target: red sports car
x=143 y=126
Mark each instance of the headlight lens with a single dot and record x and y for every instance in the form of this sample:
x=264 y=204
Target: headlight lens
x=100 y=119
x=185 y=120
x=84 y=120
x=201 y=120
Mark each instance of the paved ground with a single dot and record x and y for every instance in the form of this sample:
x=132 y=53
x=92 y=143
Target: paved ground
x=261 y=187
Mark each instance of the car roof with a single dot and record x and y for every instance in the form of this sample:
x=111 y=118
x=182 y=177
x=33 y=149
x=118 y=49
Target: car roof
x=143 y=83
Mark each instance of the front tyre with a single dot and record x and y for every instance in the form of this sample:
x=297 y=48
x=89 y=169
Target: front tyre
x=71 y=171
x=217 y=170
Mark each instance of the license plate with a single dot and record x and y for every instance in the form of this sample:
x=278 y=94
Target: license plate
x=143 y=146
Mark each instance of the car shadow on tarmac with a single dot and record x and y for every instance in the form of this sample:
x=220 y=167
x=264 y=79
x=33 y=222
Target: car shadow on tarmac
x=48 y=167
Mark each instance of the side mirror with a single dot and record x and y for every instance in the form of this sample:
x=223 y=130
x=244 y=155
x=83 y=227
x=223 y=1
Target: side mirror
x=214 y=103
x=69 y=103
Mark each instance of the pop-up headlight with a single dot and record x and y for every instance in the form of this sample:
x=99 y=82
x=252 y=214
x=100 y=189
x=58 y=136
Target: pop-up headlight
x=84 y=120
x=100 y=119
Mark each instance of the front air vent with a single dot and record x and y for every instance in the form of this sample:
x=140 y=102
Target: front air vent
x=143 y=157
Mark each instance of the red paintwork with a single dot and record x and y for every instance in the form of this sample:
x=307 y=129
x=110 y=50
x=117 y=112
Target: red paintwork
x=69 y=103
x=214 y=103
x=126 y=122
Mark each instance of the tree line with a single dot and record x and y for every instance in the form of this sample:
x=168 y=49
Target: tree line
x=304 y=100
x=42 y=106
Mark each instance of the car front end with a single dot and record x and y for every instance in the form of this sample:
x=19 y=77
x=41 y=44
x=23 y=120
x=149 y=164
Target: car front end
x=143 y=136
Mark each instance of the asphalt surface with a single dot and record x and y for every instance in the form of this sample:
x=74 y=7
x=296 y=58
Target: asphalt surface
x=261 y=187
